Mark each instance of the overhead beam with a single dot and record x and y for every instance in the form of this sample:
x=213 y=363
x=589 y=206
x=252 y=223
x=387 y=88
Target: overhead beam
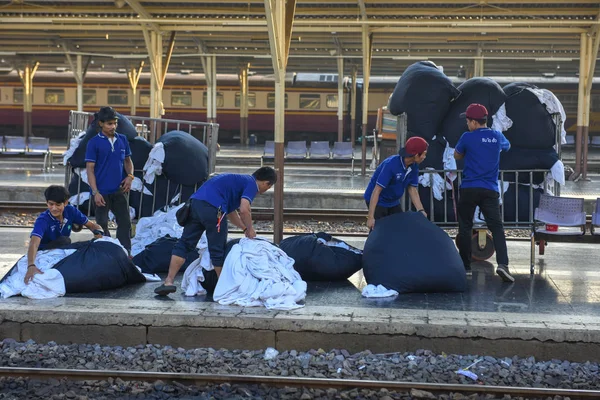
x=138 y=8
x=363 y=10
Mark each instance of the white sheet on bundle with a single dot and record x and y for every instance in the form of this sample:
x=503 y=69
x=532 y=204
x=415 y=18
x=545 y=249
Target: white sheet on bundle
x=149 y=229
x=194 y=273
x=501 y=122
x=258 y=273
x=51 y=283
x=154 y=163
x=553 y=106
x=73 y=145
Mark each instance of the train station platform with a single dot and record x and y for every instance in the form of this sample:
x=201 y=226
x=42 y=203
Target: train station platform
x=552 y=314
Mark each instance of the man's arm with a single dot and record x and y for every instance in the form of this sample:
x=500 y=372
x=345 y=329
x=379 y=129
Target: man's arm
x=246 y=217
x=32 y=269
x=98 y=199
x=372 y=205
x=235 y=219
x=126 y=183
x=94 y=227
x=458 y=156
x=413 y=193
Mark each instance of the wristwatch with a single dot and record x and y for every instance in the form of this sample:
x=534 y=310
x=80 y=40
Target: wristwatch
x=97 y=232
x=131 y=176
x=94 y=192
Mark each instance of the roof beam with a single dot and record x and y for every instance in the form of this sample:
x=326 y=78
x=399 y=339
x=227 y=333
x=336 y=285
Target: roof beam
x=138 y=8
x=363 y=10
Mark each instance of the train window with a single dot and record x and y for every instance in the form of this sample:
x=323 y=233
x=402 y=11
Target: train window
x=271 y=100
x=310 y=101
x=220 y=99
x=181 y=98
x=18 y=96
x=331 y=101
x=144 y=97
x=89 y=96
x=54 y=96
x=251 y=100
x=117 y=97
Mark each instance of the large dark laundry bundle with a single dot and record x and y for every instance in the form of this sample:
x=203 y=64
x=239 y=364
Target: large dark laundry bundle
x=140 y=148
x=435 y=154
x=186 y=158
x=98 y=265
x=125 y=127
x=483 y=91
x=424 y=93
x=527 y=159
x=408 y=253
x=316 y=261
x=156 y=257
x=533 y=127
x=521 y=199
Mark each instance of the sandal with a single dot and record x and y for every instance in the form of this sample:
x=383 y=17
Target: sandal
x=165 y=290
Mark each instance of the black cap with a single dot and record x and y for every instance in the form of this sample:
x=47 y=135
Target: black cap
x=106 y=114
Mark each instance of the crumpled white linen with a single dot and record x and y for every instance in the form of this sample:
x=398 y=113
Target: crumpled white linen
x=48 y=285
x=138 y=186
x=79 y=199
x=45 y=285
x=149 y=229
x=194 y=273
x=437 y=183
x=501 y=122
x=154 y=163
x=111 y=216
x=340 y=244
x=378 y=291
x=72 y=147
x=258 y=273
x=553 y=105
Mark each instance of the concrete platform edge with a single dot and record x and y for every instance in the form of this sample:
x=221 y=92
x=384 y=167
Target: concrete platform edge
x=200 y=324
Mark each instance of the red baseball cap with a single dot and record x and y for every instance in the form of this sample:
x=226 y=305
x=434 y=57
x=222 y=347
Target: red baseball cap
x=475 y=111
x=415 y=145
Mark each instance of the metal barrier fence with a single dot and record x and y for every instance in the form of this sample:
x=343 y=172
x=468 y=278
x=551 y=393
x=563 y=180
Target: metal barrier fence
x=150 y=129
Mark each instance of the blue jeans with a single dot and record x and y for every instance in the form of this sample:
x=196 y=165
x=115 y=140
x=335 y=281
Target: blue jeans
x=203 y=217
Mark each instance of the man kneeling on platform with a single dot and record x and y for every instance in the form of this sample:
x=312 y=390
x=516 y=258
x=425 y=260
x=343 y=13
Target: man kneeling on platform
x=220 y=196
x=391 y=179
x=52 y=229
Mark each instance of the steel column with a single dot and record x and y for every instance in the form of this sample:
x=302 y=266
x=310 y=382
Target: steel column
x=353 y=106
x=134 y=77
x=367 y=47
x=26 y=76
x=243 y=75
x=340 y=111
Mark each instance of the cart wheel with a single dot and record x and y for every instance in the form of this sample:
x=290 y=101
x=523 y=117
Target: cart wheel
x=542 y=246
x=482 y=254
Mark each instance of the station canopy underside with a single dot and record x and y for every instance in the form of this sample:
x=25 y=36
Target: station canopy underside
x=514 y=37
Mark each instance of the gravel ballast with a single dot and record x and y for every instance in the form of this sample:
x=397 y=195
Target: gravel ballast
x=420 y=366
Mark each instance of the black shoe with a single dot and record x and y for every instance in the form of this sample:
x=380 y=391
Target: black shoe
x=504 y=273
x=165 y=290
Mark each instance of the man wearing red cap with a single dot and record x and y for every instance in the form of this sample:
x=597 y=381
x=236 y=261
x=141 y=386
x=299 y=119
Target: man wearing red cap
x=480 y=148
x=391 y=179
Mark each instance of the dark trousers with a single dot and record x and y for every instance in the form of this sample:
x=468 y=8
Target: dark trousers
x=118 y=204
x=381 y=211
x=487 y=200
x=203 y=217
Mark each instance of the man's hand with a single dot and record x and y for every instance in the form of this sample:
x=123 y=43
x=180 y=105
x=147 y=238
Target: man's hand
x=370 y=222
x=31 y=271
x=98 y=234
x=250 y=233
x=126 y=184
x=99 y=200
x=424 y=213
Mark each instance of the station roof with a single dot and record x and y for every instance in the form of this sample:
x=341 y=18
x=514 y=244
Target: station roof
x=515 y=37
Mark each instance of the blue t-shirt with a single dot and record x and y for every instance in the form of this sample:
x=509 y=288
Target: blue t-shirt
x=393 y=176
x=48 y=228
x=110 y=159
x=481 y=149
x=227 y=191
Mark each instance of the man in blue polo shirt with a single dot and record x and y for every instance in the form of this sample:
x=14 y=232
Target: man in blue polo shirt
x=218 y=197
x=481 y=147
x=391 y=179
x=110 y=173
x=52 y=228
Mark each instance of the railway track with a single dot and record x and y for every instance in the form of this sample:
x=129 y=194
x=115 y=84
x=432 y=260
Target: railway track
x=279 y=381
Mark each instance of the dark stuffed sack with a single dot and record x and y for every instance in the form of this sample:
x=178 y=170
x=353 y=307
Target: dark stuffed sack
x=186 y=158
x=156 y=257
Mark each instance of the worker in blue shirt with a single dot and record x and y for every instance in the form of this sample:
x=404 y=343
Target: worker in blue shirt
x=110 y=174
x=480 y=148
x=393 y=176
x=52 y=228
x=218 y=197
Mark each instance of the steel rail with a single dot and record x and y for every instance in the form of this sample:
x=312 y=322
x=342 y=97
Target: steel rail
x=196 y=379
